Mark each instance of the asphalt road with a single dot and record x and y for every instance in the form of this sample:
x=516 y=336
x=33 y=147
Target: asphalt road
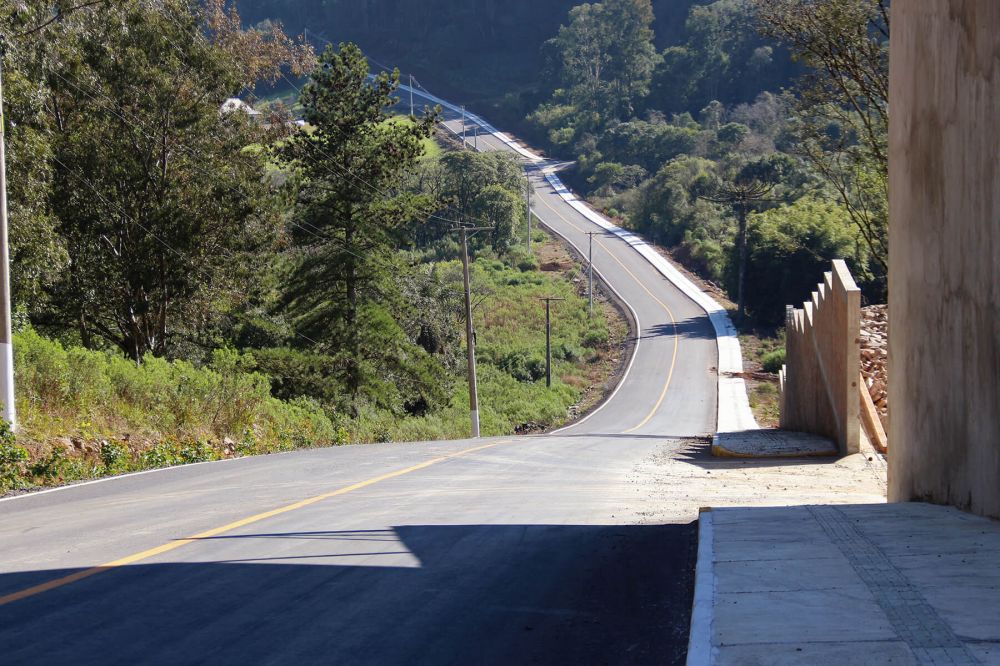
x=500 y=551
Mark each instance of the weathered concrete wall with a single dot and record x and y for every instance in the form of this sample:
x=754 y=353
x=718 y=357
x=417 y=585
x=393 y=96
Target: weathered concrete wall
x=819 y=383
x=944 y=277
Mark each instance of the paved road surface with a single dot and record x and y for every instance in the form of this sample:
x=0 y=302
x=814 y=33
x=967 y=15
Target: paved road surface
x=546 y=549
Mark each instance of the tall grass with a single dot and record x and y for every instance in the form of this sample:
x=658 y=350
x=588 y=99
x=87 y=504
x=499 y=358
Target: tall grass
x=86 y=413
x=76 y=392
x=510 y=350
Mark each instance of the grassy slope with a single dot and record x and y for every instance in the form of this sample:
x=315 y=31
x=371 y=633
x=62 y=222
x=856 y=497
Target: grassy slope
x=510 y=329
x=85 y=414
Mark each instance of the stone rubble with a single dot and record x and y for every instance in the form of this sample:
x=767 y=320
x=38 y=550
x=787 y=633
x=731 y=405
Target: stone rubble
x=875 y=357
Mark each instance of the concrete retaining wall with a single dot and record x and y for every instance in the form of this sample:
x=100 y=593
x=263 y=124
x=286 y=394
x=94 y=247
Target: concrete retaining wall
x=944 y=276
x=819 y=383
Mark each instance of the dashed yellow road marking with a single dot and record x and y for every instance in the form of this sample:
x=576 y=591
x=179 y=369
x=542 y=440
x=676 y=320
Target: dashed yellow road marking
x=178 y=543
x=673 y=322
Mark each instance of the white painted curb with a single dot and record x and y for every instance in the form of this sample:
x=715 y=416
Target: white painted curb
x=700 y=649
x=117 y=477
x=733 y=407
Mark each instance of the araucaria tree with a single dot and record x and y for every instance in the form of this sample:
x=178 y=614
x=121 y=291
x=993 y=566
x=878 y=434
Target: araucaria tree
x=344 y=289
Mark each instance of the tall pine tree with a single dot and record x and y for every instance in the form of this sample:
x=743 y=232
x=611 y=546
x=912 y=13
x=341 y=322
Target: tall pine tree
x=350 y=201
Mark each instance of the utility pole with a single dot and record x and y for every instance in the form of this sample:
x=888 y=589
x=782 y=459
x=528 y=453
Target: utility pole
x=548 y=336
x=470 y=336
x=463 y=129
x=6 y=350
x=527 y=176
x=411 y=95
x=590 y=272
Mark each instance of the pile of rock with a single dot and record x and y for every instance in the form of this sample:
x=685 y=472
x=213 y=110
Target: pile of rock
x=875 y=356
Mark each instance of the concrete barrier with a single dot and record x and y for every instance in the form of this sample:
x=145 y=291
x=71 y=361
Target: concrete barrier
x=944 y=275
x=819 y=382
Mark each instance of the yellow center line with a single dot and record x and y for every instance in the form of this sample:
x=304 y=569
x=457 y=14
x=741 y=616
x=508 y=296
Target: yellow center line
x=673 y=322
x=178 y=543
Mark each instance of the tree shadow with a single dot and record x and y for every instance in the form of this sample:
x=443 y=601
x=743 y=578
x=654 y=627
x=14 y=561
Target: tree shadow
x=693 y=328
x=484 y=594
x=685 y=439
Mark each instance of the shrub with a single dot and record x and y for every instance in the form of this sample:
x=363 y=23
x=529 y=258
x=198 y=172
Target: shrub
x=12 y=460
x=565 y=351
x=161 y=455
x=772 y=361
x=595 y=338
x=523 y=366
x=115 y=456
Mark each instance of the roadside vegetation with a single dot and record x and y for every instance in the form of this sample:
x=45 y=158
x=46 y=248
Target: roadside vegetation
x=747 y=138
x=85 y=413
x=194 y=285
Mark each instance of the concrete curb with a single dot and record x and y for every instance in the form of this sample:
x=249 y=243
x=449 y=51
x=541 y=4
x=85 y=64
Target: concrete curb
x=794 y=445
x=733 y=405
x=720 y=451
x=700 y=650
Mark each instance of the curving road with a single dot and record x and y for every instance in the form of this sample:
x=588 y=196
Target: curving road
x=544 y=549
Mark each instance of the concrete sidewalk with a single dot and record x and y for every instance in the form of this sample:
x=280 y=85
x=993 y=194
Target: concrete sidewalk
x=856 y=584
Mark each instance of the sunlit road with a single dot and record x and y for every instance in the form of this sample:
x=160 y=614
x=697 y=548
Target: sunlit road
x=545 y=549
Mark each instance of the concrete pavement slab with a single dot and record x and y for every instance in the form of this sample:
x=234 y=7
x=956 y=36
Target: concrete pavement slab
x=777 y=576
x=799 y=615
x=864 y=584
x=972 y=611
x=810 y=654
x=986 y=653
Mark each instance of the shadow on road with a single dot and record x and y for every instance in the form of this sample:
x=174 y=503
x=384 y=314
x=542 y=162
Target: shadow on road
x=474 y=594
x=694 y=328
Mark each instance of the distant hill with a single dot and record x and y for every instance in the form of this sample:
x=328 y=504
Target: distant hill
x=474 y=51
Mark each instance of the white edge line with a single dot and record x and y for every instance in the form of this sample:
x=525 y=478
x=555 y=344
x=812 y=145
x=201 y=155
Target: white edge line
x=733 y=405
x=635 y=315
x=733 y=411
x=700 y=649
x=70 y=486
x=638 y=336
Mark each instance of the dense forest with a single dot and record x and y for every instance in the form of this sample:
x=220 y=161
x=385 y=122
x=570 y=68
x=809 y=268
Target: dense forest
x=746 y=135
x=700 y=146
x=479 y=51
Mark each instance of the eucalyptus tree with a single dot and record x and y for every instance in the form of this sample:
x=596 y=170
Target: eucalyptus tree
x=163 y=210
x=607 y=55
x=843 y=101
